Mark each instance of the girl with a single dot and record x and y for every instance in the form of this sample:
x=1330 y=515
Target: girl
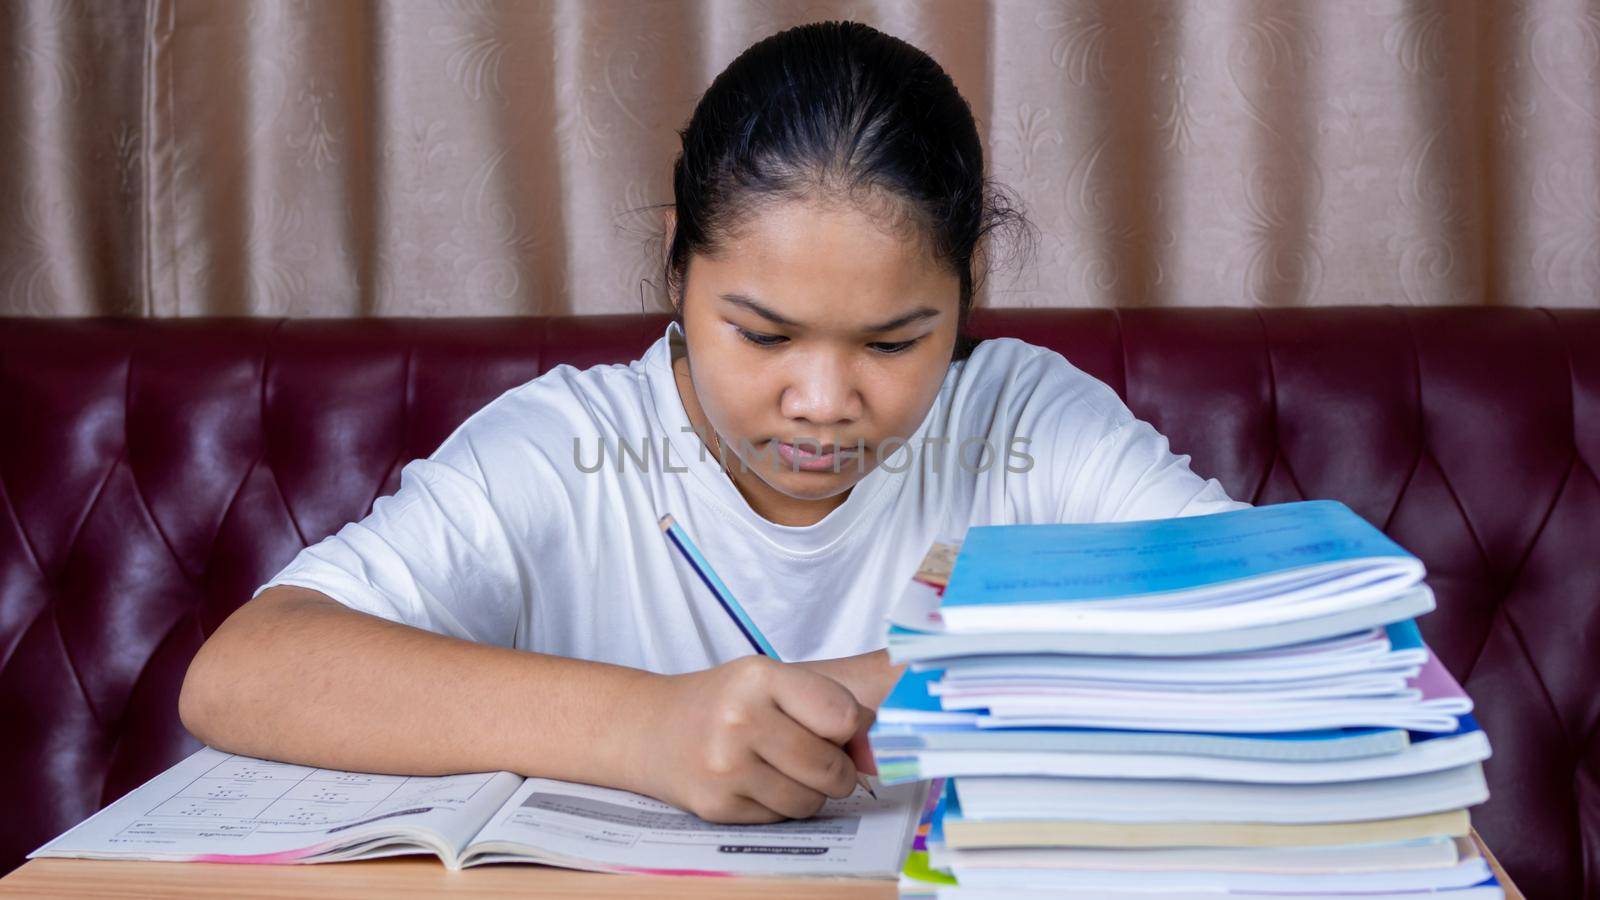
x=814 y=416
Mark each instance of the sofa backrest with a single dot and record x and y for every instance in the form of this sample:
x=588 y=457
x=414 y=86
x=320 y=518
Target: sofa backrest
x=153 y=473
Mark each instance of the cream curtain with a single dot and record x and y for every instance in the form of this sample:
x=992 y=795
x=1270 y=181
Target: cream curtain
x=327 y=158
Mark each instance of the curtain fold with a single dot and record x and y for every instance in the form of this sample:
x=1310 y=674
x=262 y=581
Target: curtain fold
x=463 y=157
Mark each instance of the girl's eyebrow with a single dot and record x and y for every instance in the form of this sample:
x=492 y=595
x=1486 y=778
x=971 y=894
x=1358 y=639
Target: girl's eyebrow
x=916 y=315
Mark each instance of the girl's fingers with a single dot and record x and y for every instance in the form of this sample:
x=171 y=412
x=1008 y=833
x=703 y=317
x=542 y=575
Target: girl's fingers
x=814 y=762
x=781 y=794
x=860 y=752
x=819 y=704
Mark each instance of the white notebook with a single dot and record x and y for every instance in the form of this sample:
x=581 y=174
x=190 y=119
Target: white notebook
x=218 y=807
x=1431 y=755
x=1182 y=800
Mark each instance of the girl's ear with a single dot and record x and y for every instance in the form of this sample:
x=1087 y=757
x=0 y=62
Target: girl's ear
x=671 y=219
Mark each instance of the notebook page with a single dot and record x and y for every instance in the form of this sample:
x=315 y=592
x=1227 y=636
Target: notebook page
x=220 y=807
x=588 y=827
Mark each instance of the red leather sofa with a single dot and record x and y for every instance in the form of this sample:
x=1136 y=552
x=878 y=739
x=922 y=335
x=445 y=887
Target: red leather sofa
x=154 y=472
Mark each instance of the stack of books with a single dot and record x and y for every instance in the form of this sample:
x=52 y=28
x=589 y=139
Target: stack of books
x=1238 y=703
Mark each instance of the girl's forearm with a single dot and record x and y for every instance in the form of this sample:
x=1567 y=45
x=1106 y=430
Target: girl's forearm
x=297 y=677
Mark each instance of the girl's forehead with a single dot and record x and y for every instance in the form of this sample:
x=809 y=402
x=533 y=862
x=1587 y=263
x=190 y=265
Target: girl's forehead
x=797 y=290
x=819 y=234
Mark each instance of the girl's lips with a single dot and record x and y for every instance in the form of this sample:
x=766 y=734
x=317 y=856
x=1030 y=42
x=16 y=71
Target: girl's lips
x=805 y=461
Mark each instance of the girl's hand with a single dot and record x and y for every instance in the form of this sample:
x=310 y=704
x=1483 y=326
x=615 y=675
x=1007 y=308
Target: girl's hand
x=870 y=676
x=749 y=741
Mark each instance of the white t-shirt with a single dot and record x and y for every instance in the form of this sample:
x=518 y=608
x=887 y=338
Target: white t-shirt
x=503 y=536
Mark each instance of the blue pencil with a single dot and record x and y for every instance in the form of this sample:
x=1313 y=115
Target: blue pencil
x=702 y=567
x=680 y=539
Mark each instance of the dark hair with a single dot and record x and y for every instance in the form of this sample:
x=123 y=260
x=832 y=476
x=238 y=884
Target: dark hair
x=843 y=109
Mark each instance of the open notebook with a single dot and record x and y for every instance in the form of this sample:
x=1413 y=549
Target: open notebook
x=218 y=807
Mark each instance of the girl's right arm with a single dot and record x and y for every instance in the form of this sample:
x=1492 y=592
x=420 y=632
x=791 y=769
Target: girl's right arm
x=295 y=676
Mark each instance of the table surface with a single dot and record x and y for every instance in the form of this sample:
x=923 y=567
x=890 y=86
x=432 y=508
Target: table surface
x=420 y=876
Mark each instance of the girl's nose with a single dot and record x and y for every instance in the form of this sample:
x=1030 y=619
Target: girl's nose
x=821 y=390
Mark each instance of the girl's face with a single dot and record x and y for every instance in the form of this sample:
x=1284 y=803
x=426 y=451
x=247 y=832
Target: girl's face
x=813 y=326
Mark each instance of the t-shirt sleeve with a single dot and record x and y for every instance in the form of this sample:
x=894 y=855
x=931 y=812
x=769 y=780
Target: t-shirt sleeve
x=1102 y=463
x=1131 y=473
x=435 y=554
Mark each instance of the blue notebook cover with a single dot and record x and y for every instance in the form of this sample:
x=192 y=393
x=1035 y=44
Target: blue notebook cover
x=948 y=805
x=1465 y=724
x=911 y=691
x=1404 y=635
x=1020 y=564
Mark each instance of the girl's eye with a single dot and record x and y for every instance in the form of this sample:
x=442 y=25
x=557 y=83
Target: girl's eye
x=887 y=348
x=762 y=340
x=893 y=347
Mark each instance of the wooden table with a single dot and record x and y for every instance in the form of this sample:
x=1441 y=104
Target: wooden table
x=416 y=876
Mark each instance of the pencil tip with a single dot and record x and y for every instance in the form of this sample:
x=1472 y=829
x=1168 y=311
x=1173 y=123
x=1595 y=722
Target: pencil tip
x=665 y=521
